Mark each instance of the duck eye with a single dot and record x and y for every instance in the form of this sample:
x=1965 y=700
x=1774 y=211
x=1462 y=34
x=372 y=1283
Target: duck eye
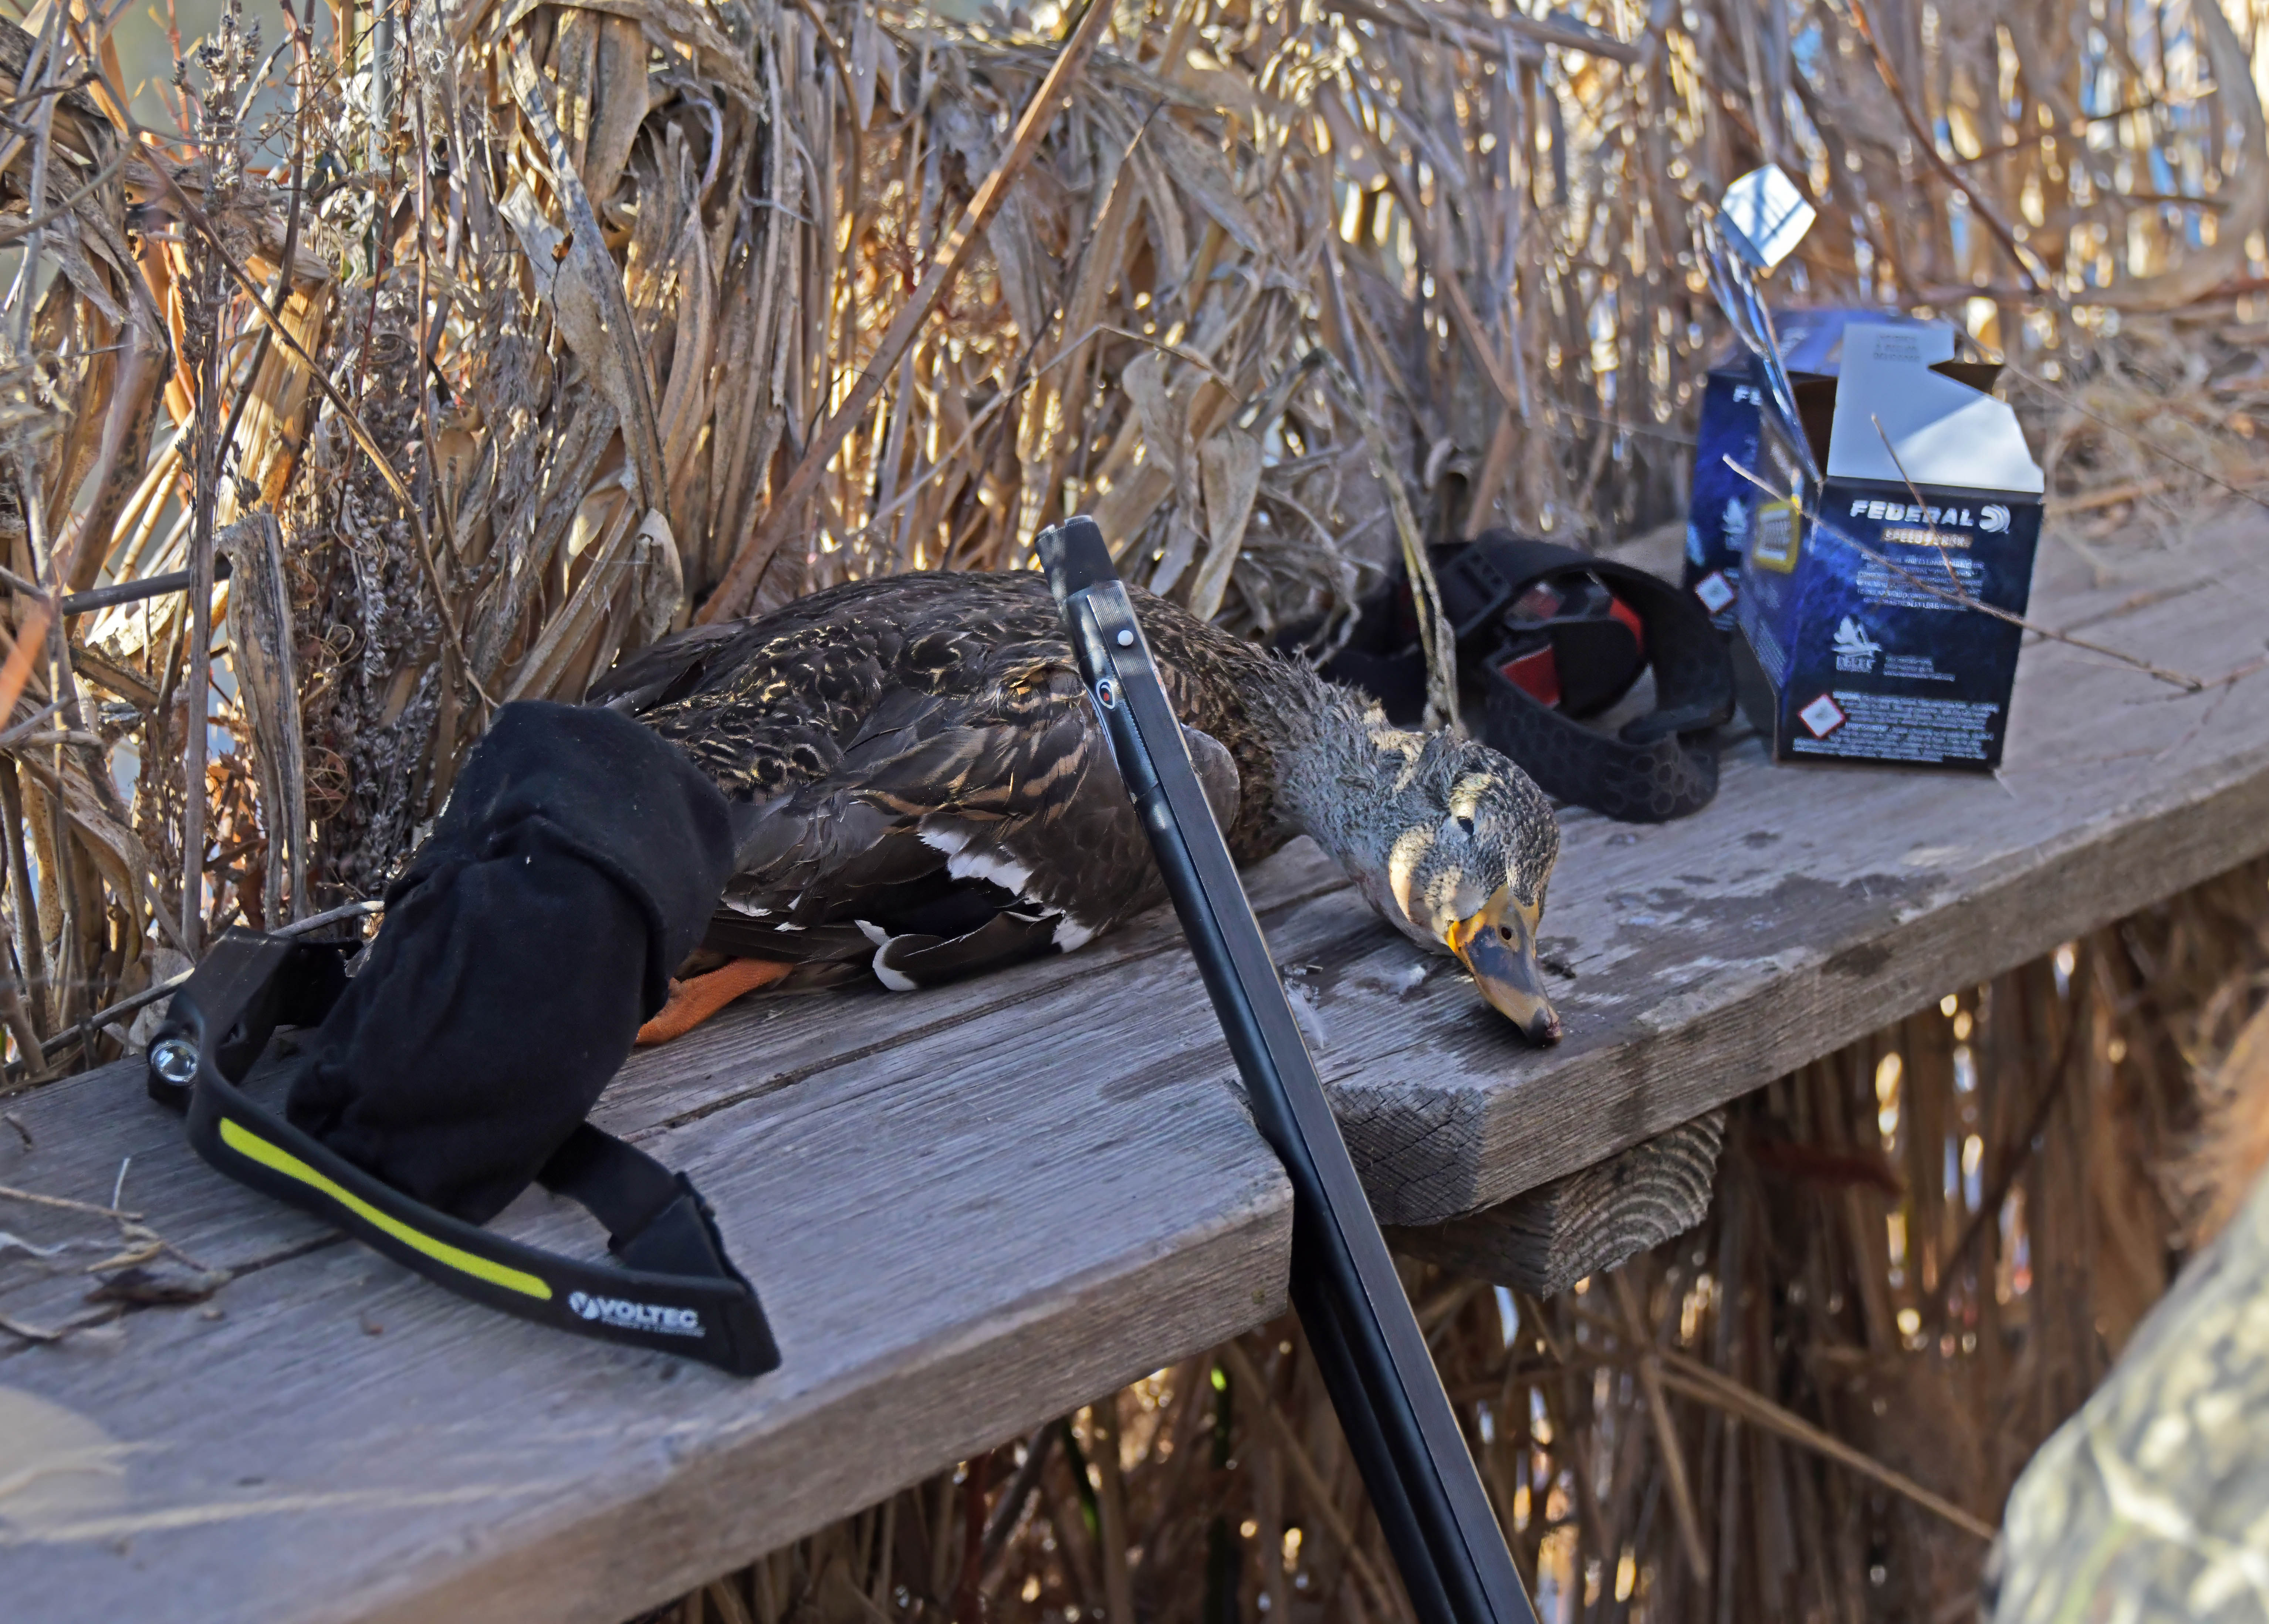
x=1505 y=930
x=1466 y=822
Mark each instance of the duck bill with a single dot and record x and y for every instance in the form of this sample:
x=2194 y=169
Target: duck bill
x=1498 y=945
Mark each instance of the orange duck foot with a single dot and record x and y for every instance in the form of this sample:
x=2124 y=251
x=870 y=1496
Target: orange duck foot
x=697 y=998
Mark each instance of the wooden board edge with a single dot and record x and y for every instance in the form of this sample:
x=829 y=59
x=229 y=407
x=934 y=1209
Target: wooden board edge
x=1663 y=1079
x=865 y=1440
x=1544 y=1240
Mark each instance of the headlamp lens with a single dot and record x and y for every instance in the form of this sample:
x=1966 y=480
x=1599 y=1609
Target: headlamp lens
x=175 y=1059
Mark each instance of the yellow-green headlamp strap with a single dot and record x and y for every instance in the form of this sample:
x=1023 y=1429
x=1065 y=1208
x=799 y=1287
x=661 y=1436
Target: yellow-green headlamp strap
x=676 y=1292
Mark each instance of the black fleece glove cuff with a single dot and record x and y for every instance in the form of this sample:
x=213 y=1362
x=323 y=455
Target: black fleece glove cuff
x=574 y=867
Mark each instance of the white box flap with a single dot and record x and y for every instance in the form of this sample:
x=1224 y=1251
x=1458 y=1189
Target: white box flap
x=1943 y=432
x=1766 y=216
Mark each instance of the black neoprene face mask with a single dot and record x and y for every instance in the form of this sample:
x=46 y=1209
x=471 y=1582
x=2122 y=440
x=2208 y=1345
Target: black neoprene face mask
x=575 y=865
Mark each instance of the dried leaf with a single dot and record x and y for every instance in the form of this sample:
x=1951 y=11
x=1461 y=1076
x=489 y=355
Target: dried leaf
x=261 y=644
x=1229 y=469
x=161 y=1285
x=1199 y=175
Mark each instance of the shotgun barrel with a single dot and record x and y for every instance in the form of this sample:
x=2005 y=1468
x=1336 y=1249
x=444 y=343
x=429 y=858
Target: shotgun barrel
x=1369 y=1348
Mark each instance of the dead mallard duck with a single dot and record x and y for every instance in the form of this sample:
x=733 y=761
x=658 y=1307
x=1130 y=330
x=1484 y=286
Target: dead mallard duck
x=922 y=791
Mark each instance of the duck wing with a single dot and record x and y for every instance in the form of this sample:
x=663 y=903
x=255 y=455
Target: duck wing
x=924 y=785
x=664 y=671
x=952 y=849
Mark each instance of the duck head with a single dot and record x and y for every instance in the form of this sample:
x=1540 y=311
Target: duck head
x=1449 y=840
x=1469 y=871
x=1477 y=885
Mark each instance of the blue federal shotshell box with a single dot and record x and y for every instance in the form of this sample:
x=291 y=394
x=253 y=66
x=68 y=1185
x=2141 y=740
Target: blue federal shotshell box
x=1861 y=637
x=1721 y=504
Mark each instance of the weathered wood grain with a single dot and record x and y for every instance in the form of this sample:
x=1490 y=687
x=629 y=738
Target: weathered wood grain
x=950 y=1241
x=1546 y=1239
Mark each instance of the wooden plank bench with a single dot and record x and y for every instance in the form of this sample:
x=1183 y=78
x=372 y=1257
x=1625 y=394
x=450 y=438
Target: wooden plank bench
x=969 y=1209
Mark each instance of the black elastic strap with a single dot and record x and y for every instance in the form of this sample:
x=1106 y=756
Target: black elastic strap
x=1645 y=774
x=624 y=1188
x=1475 y=590
x=656 y=1220
x=1648 y=772
x=675 y=1291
